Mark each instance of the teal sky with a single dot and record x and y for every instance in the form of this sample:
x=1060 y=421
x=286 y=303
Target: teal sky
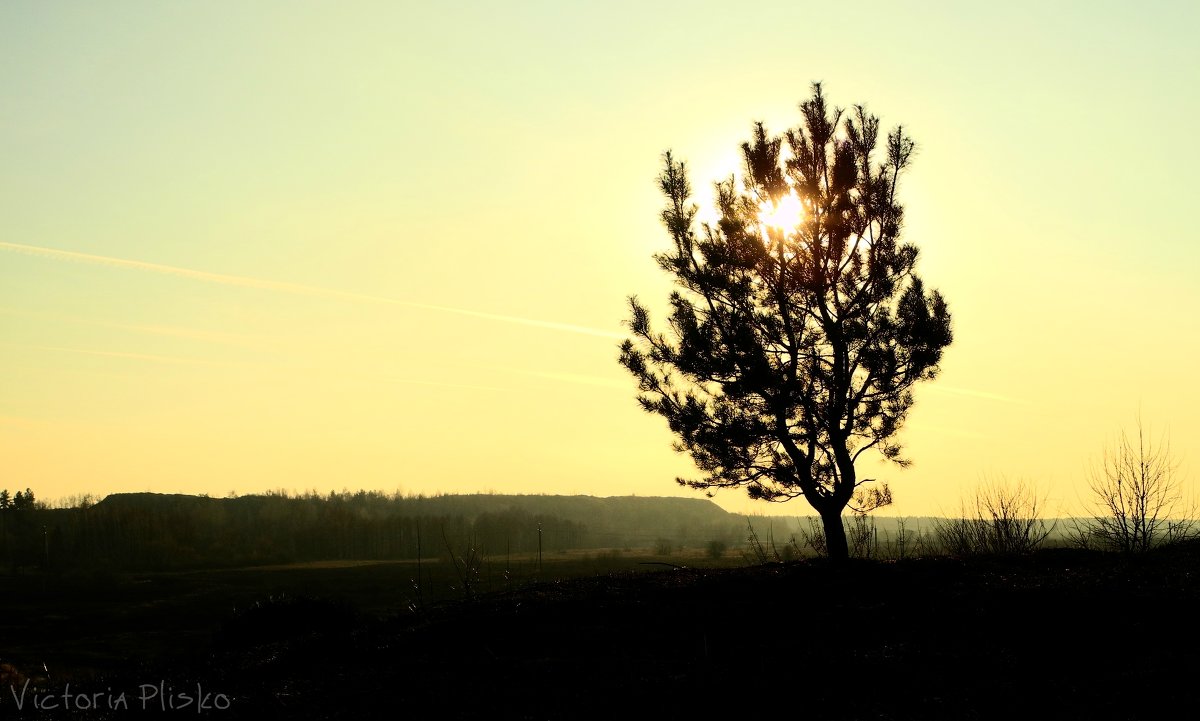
x=444 y=187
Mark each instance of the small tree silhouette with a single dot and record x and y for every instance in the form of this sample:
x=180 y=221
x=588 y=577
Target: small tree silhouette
x=1138 y=495
x=800 y=325
x=1005 y=519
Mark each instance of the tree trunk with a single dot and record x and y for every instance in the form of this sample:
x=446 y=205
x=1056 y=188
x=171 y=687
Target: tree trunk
x=835 y=537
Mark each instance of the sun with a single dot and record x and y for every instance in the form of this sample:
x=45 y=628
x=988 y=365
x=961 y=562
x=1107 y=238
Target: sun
x=782 y=215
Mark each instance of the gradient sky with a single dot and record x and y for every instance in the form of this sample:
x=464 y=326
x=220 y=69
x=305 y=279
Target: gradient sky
x=248 y=246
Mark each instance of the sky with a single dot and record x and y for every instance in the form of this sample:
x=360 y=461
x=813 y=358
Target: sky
x=388 y=245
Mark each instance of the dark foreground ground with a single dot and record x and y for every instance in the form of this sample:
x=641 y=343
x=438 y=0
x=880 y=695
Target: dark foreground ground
x=1057 y=635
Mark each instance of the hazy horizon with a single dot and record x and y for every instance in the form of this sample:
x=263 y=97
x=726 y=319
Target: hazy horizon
x=386 y=246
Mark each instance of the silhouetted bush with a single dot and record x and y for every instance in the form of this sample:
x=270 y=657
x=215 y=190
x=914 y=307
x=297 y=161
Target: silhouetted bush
x=864 y=541
x=907 y=542
x=1139 y=498
x=1005 y=518
x=814 y=537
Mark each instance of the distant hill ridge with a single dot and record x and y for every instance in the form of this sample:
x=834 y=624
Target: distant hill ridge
x=577 y=507
x=619 y=520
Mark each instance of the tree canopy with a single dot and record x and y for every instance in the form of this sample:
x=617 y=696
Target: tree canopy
x=800 y=324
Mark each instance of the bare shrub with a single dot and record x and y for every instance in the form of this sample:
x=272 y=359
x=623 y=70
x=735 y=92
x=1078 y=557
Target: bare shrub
x=468 y=566
x=863 y=537
x=1138 y=497
x=908 y=541
x=757 y=552
x=814 y=537
x=1004 y=518
x=958 y=536
x=904 y=540
x=768 y=552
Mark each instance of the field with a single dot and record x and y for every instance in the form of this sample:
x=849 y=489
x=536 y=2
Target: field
x=84 y=625
x=617 y=634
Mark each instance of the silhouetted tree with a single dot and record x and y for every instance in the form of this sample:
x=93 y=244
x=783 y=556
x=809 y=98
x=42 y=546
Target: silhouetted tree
x=24 y=501
x=1139 y=497
x=794 y=341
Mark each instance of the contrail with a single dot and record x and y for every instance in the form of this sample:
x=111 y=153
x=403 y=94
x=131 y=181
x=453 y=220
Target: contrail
x=439 y=384
x=978 y=394
x=961 y=432
x=284 y=287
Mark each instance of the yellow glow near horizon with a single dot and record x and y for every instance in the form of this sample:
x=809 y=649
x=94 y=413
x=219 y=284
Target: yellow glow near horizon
x=783 y=215
x=378 y=245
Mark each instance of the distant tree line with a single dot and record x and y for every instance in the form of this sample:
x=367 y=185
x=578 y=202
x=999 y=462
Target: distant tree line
x=22 y=538
x=148 y=531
